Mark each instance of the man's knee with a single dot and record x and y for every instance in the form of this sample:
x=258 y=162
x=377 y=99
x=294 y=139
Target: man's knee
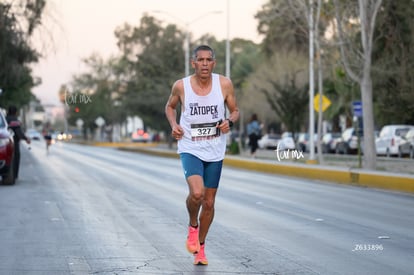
x=208 y=204
x=195 y=183
x=197 y=196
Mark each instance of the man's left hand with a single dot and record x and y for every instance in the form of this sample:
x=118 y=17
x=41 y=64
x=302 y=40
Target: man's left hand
x=224 y=126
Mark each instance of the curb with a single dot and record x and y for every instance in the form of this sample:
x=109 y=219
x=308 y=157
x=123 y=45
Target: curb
x=356 y=177
x=351 y=176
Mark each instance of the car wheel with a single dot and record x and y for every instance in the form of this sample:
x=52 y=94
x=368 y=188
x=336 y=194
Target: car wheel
x=387 y=153
x=343 y=149
x=9 y=179
x=347 y=150
x=337 y=150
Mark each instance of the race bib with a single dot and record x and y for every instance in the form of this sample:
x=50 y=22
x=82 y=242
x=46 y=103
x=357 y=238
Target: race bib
x=204 y=131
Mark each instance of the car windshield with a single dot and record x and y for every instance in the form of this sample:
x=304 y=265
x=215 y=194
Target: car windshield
x=274 y=136
x=401 y=131
x=410 y=134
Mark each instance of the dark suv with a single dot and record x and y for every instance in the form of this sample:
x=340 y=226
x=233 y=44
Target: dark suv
x=6 y=152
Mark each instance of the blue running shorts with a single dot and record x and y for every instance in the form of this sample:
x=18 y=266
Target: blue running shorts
x=209 y=171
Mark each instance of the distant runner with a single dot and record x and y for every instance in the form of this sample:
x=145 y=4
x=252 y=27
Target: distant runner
x=47 y=135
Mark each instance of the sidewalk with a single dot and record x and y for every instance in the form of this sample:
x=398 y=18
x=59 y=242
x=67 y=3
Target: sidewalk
x=340 y=169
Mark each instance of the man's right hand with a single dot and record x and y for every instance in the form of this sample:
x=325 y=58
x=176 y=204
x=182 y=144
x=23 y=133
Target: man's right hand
x=177 y=132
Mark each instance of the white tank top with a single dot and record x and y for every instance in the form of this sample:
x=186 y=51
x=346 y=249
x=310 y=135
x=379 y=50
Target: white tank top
x=199 y=119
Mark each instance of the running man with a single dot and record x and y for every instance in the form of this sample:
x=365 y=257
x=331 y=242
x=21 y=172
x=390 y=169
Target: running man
x=201 y=140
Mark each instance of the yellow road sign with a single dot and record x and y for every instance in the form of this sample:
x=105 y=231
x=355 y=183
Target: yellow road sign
x=325 y=103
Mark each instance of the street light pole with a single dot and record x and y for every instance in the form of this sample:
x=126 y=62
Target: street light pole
x=228 y=40
x=311 y=84
x=187 y=51
x=187 y=35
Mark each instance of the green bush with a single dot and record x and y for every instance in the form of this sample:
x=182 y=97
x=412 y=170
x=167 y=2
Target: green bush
x=234 y=148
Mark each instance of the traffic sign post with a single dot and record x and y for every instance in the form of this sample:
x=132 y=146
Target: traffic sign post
x=99 y=121
x=79 y=123
x=325 y=103
x=357 y=108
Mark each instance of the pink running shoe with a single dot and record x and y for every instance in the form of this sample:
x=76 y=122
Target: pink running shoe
x=200 y=257
x=193 y=245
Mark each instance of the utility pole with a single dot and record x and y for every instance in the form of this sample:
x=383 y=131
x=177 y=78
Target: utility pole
x=311 y=85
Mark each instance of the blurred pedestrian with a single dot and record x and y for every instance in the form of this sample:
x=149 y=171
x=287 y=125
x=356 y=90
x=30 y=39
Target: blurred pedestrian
x=254 y=132
x=15 y=124
x=47 y=136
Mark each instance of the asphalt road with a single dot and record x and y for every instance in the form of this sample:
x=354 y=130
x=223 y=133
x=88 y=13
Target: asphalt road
x=91 y=210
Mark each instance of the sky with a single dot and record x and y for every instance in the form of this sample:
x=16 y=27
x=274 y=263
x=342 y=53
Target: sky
x=79 y=28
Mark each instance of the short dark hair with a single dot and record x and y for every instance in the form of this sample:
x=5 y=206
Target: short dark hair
x=254 y=117
x=203 y=48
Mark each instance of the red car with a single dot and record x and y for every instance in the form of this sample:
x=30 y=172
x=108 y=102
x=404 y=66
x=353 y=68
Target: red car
x=6 y=152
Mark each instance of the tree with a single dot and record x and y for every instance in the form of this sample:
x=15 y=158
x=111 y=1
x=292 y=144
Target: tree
x=368 y=10
x=393 y=63
x=342 y=91
x=283 y=28
x=294 y=26
x=18 y=20
x=246 y=57
x=154 y=58
x=151 y=59
x=283 y=81
x=96 y=93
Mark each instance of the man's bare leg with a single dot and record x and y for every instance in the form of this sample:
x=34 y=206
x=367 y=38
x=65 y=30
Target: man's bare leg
x=207 y=212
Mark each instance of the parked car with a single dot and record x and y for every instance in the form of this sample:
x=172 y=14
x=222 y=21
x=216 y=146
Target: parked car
x=390 y=138
x=140 y=136
x=347 y=143
x=304 y=142
x=406 y=147
x=33 y=134
x=269 y=141
x=287 y=142
x=329 y=141
x=6 y=152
